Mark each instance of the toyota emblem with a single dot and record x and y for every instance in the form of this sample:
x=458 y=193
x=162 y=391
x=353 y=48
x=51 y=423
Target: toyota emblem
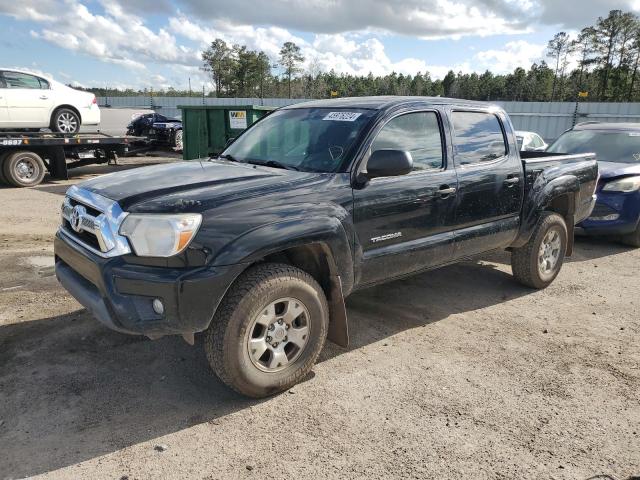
x=76 y=217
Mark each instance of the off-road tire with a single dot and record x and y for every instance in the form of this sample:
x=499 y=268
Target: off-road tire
x=525 y=260
x=225 y=339
x=12 y=176
x=54 y=125
x=632 y=239
x=177 y=141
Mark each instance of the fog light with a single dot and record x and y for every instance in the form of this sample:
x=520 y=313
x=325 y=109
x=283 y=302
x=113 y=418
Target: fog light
x=607 y=218
x=158 y=307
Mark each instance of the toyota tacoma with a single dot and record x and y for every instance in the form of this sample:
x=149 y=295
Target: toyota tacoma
x=258 y=247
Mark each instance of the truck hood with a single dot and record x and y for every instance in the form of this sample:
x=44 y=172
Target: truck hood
x=185 y=184
x=613 y=170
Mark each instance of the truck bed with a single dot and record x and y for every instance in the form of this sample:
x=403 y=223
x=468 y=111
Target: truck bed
x=551 y=173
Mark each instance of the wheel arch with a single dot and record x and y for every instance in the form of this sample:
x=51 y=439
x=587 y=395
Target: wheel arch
x=319 y=247
x=68 y=106
x=559 y=196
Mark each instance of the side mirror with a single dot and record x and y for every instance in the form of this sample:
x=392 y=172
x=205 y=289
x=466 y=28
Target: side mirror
x=389 y=163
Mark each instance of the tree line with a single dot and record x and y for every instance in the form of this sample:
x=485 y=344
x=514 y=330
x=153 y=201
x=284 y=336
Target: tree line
x=601 y=61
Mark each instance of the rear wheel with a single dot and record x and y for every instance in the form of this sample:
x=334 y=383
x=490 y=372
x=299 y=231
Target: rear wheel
x=65 y=120
x=538 y=263
x=268 y=331
x=632 y=239
x=23 y=169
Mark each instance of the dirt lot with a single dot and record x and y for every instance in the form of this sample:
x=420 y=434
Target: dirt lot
x=457 y=373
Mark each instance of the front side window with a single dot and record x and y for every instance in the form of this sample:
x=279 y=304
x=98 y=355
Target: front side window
x=306 y=139
x=478 y=137
x=21 y=80
x=417 y=133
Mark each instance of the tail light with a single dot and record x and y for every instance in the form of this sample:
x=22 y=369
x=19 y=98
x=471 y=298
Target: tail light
x=94 y=101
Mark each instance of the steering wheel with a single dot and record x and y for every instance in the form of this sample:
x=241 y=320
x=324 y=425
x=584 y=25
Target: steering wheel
x=325 y=160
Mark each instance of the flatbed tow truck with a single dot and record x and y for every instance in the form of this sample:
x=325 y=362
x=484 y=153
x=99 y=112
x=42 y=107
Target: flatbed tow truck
x=25 y=157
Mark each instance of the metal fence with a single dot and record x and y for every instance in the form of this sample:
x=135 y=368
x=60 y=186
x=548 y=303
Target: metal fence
x=549 y=119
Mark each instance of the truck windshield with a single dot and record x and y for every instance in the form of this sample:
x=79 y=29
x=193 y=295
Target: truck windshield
x=305 y=139
x=618 y=147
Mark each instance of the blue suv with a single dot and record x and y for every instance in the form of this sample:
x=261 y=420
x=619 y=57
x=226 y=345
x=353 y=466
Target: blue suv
x=617 y=146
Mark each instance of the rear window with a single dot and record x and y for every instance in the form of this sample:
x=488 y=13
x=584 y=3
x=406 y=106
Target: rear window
x=619 y=147
x=478 y=137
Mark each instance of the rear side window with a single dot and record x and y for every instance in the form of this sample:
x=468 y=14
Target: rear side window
x=21 y=80
x=417 y=133
x=478 y=137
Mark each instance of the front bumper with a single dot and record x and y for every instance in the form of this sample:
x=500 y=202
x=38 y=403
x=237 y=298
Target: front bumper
x=120 y=294
x=615 y=214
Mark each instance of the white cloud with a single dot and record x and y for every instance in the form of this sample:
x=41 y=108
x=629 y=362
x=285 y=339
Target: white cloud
x=347 y=34
x=518 y=53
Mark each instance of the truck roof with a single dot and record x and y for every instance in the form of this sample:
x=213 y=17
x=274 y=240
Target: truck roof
x=384 y=102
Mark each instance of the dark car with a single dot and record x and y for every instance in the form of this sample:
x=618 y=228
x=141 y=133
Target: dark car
x=617 y=147
x=157 y=129
x=259 y=247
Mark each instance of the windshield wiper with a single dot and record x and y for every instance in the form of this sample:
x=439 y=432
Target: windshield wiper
x=227 y=156
x=275 y=164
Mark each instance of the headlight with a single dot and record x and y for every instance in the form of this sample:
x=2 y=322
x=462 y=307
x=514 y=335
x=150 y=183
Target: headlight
x=160 y=235
x=626 y=185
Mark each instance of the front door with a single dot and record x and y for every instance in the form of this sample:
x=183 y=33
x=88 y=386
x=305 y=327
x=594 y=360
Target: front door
x=29 y=100
x=405 y=223
x=490 y=182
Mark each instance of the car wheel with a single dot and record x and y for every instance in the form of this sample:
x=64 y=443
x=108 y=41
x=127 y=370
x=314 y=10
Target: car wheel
x=177 y=141
x=268 y=331
x=632 y=239
x=23 y=169
x=65 y=120
x=538 y=263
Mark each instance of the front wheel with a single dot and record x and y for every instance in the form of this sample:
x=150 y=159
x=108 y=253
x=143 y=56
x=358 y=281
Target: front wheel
x=177 y=141
x=65 y=120
x=538 y=263
x=268 y=331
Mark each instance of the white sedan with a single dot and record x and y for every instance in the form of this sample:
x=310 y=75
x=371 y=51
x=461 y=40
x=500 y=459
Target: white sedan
x=530 y=142
x=29 y=101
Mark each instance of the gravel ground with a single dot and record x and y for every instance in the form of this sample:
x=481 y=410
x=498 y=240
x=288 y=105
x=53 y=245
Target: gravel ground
x=455 y=373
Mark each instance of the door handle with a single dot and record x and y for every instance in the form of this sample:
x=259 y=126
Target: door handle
x=512 y=181
x=446 y=190
x=43 y=97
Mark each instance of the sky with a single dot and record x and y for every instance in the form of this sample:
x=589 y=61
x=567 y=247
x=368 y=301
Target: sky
x=157 y=43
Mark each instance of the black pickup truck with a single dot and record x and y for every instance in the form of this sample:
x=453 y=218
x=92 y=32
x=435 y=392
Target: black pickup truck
x=258 y=247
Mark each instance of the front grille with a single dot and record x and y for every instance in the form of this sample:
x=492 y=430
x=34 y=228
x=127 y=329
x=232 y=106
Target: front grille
x=83 y=228
x=93 y=221
x=84 y=236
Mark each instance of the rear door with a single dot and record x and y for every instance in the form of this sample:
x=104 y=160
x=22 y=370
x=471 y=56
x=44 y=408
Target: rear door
x=405 y=223
x=490 y=181
x=29 y=100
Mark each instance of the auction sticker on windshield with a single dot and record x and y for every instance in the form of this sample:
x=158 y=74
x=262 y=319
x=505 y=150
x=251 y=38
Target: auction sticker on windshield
x=342 y=116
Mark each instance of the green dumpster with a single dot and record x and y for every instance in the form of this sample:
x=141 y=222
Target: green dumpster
x=206 y=129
